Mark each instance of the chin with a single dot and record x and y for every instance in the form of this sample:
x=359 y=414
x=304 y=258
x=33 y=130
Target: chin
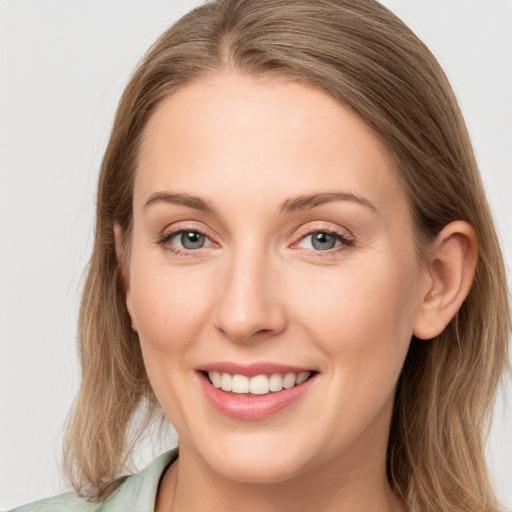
x=264 y=470
x=267 y=458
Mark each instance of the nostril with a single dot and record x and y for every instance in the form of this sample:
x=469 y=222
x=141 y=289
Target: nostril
x=243 y=333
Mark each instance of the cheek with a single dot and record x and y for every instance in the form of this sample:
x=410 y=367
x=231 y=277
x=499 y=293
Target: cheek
x=170 y=306
x=362 y=317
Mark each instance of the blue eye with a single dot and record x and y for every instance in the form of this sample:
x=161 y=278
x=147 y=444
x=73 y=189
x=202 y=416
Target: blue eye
x=189 y=240
x=323 y=241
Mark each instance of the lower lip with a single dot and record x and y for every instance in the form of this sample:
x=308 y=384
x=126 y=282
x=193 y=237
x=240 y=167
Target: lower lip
x=255 y=407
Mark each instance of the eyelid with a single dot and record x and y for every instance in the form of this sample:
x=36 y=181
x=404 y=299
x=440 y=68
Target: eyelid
x=328 y=227
x=343 y=235
x=164 y=236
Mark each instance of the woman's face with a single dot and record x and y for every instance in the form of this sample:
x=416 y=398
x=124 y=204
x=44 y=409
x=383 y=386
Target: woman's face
x=271 y=241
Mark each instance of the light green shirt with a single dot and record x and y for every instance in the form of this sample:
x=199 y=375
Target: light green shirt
x=136 y=494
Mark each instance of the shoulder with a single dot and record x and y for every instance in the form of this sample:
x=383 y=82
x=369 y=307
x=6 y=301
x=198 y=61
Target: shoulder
x=137 y=493
x=68 y=502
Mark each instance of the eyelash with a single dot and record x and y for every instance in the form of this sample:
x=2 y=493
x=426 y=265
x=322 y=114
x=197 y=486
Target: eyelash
x=344 y=241
x=166 y=237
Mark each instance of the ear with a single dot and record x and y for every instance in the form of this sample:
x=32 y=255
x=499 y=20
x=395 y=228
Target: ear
x=125 y=272
x=451 y=267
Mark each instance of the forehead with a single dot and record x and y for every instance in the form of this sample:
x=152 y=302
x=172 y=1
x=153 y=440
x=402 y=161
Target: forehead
x=232 y=133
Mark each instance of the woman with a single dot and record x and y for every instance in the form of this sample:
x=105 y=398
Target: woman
x=295 y=262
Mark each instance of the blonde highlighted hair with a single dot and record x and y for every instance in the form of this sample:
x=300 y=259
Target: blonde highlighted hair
x=361 y=54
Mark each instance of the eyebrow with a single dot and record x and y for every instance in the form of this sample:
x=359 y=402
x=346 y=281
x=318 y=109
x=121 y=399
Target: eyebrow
x=299 y=203
x=188 y=200
x=306 y=202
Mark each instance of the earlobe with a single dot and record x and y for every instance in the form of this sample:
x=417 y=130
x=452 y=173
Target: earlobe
x=451 y=268
x=125 y=274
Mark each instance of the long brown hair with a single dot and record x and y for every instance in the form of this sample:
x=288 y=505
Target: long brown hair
x=361 y=54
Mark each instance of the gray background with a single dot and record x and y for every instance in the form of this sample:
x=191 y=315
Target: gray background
x=63 y=64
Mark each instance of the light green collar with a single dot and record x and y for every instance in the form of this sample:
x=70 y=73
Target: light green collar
x=138 y=492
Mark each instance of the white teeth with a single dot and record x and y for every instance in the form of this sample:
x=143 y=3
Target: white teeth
x=289 y=380
x=215 y=378
x=302 y=377
x=226 y=382
x=275 y=382
x=257 y=385
x=239 y=384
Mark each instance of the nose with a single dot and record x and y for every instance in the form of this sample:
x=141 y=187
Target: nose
x=250 y=305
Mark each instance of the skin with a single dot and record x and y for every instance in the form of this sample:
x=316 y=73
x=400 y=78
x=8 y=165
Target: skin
x=258 y=290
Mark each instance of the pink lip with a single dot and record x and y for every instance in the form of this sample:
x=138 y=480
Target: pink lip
x=250 y=370
x=252 y=407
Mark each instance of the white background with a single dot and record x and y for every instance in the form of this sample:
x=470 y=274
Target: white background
x=63 y=64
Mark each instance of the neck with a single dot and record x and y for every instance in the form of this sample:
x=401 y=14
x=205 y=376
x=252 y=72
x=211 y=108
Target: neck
x=190 y=485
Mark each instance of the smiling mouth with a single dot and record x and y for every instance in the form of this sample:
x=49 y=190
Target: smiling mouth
x=257 y=385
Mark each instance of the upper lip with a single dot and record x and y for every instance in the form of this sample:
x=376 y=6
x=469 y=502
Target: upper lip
x=251 y=369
